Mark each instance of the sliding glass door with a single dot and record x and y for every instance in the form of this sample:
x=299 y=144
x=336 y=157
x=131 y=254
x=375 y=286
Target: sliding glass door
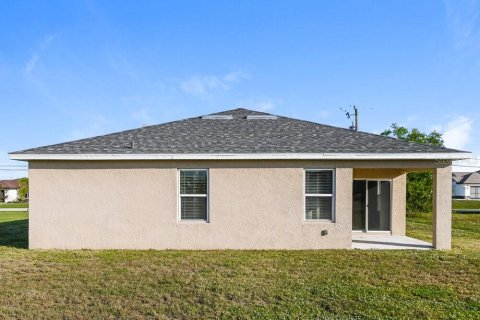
x=371 y=205
x=359 y=205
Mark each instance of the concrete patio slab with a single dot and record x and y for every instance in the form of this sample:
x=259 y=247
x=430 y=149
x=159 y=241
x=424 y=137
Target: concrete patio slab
x=13 y=209
x=364 y=241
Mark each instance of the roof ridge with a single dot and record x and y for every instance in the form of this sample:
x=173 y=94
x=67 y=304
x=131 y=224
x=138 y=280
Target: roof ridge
x=240 y=110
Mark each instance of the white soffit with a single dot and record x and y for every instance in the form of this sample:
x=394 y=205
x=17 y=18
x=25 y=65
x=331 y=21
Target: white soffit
x=252 y=156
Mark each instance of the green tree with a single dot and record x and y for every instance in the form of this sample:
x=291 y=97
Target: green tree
x=23 y=189
x=419 y=184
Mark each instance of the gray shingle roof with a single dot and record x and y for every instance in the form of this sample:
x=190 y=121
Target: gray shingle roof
x=459 y=176
x=238 y=135
x=467 y=177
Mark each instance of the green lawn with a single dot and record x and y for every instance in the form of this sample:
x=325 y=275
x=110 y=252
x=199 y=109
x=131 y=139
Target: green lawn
x=340 y=284
x=13 y=230
x=465 y=229
x=466 y=204
x=10 y=205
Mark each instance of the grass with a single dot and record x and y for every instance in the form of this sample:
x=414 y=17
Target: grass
x=340 y=284
x=10 y=205
x=466 y=204
x=465 y=229
x=14 y=229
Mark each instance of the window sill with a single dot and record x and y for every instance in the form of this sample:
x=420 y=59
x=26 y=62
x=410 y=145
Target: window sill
x=192 y=221
x=319 y=221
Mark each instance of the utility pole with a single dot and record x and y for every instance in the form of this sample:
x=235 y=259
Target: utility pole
x=356 y=117
x=354 y=125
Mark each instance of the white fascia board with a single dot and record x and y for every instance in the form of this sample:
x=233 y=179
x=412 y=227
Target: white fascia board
x=251 y=156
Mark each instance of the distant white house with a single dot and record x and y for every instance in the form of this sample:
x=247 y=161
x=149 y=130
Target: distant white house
x=9 y=190
x=466 y=185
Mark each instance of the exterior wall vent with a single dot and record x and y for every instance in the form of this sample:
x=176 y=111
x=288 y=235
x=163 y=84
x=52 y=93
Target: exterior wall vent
x=261 y=117
x=218 y=117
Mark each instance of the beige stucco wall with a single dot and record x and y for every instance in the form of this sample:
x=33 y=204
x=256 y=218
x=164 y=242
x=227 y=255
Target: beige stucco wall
x=134 y=205
x=253 y=204
x=442 y=208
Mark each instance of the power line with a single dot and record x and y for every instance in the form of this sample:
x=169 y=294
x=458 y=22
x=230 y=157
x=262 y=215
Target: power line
x=467 y=166
x=7 y=167
x=13 y=165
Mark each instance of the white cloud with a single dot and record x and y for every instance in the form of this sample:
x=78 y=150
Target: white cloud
x=264 y=105
x=468 y=165
x=412 y=118
x=235 y=76
x=143 y=116
x=324 y=114
x=457 y=133
x=31 y=63
x=96 y=125
x=463 y=20
x=34 y=58
x=122 y=65
x=132 y=99
x=204 y=85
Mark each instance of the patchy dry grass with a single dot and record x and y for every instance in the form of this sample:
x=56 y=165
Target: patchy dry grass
x=112 y=284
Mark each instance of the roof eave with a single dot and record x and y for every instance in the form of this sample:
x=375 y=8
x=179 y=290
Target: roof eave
x=247 y=156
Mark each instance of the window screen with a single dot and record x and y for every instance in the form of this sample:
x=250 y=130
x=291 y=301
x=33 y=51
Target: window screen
x=193 y=194
x=318 y=194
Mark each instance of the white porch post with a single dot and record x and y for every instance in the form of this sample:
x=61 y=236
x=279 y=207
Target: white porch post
x=442 y=208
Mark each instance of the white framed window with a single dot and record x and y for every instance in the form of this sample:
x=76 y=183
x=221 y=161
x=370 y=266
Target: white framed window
x=193 y=194
x=319 y=194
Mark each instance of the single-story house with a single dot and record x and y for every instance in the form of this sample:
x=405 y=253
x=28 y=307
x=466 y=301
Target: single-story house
x=9 y=190
x=466 y=185
x=238 y=179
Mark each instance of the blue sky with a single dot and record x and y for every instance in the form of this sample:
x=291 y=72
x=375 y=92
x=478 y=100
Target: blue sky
x=73 y=69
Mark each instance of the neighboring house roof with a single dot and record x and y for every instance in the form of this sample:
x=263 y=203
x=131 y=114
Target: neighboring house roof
x=466 y=177
x=458 y=176
x=9 y=184
x=238 y=135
